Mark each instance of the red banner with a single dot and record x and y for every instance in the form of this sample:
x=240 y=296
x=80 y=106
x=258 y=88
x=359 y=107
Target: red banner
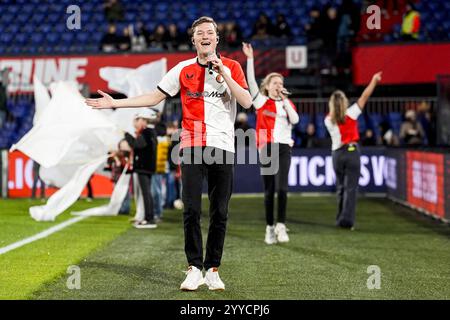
x=425 y=181
x=401 y=64
x=20 y=179
x=83 y=69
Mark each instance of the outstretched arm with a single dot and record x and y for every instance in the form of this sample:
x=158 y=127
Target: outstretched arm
x=369 y=90
x=108 y=102
x=253 y=86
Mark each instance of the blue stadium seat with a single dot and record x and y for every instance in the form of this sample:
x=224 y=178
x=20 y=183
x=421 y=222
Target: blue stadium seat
x=21 y=39
x=27 y=16
x=6 y=39
x=38 y=18
x=37 y=39
x=362 y=126
x=7 y=18
x=303 y=122
x=13 y=28
x=27 y=8
x=375 y=119
x=67 y=38
x=321 y=131
x=251 y=116
x=52 y=38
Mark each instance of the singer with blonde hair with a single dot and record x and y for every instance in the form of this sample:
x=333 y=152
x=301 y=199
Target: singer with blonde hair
x=275 y=116
x=342 y=124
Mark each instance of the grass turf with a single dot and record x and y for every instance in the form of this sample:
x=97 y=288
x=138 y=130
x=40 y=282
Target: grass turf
x=320 y=261
x=25 y=269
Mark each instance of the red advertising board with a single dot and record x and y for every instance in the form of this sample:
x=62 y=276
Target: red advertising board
x=20 y=179
x=83 y=69
x=425 y=181
x=401 y=64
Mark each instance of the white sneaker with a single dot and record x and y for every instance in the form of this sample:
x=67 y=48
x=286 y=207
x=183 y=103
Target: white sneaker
x=270 y=235
x=281 y=232
x=213 y=281
x=145 y=225
x=194 y=279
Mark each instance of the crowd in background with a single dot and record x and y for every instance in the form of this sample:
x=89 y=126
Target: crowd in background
x=417 y=128
x=331 y=31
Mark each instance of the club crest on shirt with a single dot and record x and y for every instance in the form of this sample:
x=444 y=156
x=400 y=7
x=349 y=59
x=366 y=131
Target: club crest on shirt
x=219 y=78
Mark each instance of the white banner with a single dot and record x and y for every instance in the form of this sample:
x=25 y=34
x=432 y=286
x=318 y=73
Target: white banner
x=296 y=57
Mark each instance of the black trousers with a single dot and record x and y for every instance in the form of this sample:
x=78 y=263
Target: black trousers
x=36 y=179
x=145 y=181
x=90 y=192
x=276 y=182
x=219 y=176
x=347 y=166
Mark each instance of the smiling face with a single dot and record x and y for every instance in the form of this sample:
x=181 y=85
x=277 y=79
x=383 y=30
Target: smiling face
x=205 y=38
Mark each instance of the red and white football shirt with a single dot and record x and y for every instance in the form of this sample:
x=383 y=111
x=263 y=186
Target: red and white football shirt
x=209 y=109
x=272 y=121
x=348 y=131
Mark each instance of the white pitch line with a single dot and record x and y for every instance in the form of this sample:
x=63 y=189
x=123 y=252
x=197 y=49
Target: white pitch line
x=40 y=235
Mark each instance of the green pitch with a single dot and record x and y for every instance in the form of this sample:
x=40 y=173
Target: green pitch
x=320 y=262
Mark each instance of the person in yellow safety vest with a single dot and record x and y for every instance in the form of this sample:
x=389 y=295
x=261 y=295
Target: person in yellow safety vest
x=411 y=23
x=162 y=168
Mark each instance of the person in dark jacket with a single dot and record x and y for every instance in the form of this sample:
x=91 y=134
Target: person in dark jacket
x=144 y=164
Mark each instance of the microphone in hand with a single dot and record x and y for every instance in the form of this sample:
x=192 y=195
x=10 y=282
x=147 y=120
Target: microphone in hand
x=285 y=92
x=210 y=65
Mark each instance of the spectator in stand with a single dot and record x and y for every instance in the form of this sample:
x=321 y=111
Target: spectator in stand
x=173 y=37
x=428 y=121
x=309 y=138
x=387 y=137
x=263 y=28
x=242 y=123
x=90 y=191
x=221 y=33
x=411 y=23
x=37 y=180
x=173 y=177
x=349 y=23
x=110 y=40
x=4 y=81
x=411 y=131
x=314 y=33
x=330 y=27
x=113 y=10
x=159 y=38
x=314 y=29
x=117 y=162
x=369 y=138
x=162 y=168
x=390 y=6
x=232 y=35
x=144 y=162
x=282 y=28
x=124 y=41
x=139 y=37
x=141 y=30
